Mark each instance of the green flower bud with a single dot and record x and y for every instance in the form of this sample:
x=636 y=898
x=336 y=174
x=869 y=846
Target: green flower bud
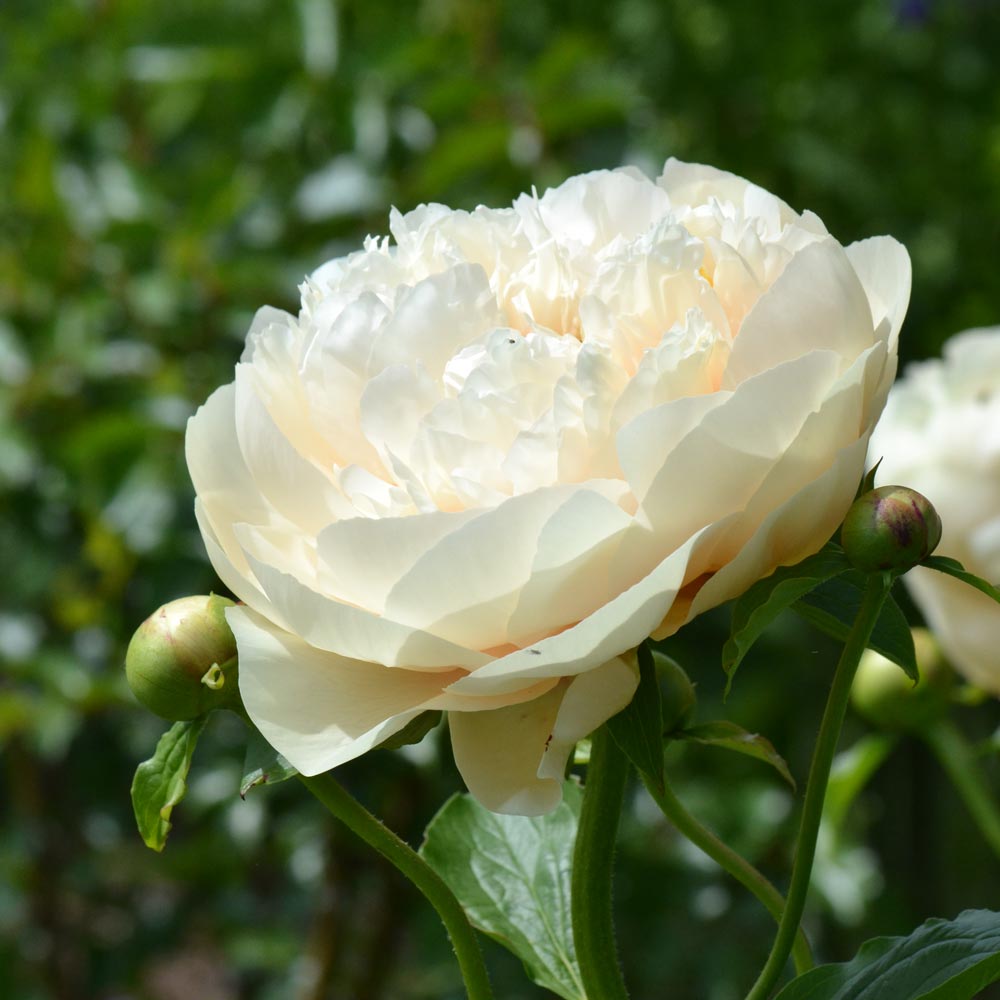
x=676 y=691
x=181 y=661
x=891 y=528
x=884 y=695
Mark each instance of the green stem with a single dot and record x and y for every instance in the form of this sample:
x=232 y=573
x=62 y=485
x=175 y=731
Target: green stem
x=876 y=588
x=957 y=758
x=728 y=859
x=593 y=926
x=463 y=938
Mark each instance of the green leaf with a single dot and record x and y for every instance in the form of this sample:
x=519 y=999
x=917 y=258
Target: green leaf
x=944 y=564
x=413 y=732
x=833 y=606
x=160 y=782
x=263 y=765
x=767 y=598
x=512 y=875
x=940 y=960
x=730 y=736
x=638 y=727
x=868 y=481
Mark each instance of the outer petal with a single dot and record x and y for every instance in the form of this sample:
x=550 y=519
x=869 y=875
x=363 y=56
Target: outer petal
x=883 y=267
x=513 y=759
x=355 y=633
x=466 y=587
x=618 y=626
x=498 y=754
x=317 y=708
x=816 y=304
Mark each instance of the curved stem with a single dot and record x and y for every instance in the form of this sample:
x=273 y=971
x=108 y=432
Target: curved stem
x=729 y=860
x=353 y=815
x=956 y=757
x=876 y=589
x=593 y=926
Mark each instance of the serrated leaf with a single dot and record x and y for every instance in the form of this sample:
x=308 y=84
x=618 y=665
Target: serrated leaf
x=767 y=598
x=945 y=564
x=940 y=960
x=263 y=765
x=730 y=736
x=512 y=876
x=413 y=732
x=160 y=782
x=638 y=727
x=833 y=606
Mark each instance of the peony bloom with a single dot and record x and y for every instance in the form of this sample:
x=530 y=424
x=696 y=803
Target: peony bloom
x=492 y=455
x=940 y=434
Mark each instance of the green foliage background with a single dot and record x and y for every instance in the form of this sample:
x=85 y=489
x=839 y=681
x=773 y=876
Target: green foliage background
x=167 y=168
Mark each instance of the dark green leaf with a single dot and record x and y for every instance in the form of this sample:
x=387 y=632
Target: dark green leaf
x=868 y=481
x=730 y=736
x=263 y=765
x=512 y=875
x=638 y=728
x=943 y=564
x=833 y=606
x=940 y=960
x=160 y=782
x=413 y=732
x=767 y=598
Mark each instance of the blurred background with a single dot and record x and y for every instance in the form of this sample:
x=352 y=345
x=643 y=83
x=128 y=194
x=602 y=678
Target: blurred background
x=165 y=169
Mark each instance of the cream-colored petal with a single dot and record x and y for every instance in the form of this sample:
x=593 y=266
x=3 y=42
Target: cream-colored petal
x=569 y=577
x=716 y=468
x=435 y=319
x=883 y=267
x=238 y=577
x=590 y=700
x=816 y=304
x=314 y=707
x=513 y=759
x=618 y=626
x=788 y=534
x=498 y=754
x=644 y=443
x=214 y=459
x=700 y=184
x=358 y=634
x=302 y=492
x=362 y=559
x=466 y=587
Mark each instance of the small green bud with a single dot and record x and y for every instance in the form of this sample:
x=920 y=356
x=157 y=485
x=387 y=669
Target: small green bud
x=884 y=695
x=676 y=692
x=891 y=528
x=178 y=662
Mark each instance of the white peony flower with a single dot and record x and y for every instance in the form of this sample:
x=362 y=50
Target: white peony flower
x=491 y=456
x=940 y=435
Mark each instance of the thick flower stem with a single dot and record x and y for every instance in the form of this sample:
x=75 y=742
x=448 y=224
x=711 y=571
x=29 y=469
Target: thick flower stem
x=353 y=815
x=876 y=590
x=732 y=862
x=956 y=757
x=593 y=927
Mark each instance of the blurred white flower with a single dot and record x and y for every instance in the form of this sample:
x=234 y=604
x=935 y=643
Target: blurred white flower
x=940 y=435
x=487 y=460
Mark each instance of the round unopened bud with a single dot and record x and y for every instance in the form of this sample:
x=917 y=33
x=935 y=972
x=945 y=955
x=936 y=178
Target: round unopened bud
x=676 y=692
x=891 y=528
x=181 y=661
x=884 y=695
